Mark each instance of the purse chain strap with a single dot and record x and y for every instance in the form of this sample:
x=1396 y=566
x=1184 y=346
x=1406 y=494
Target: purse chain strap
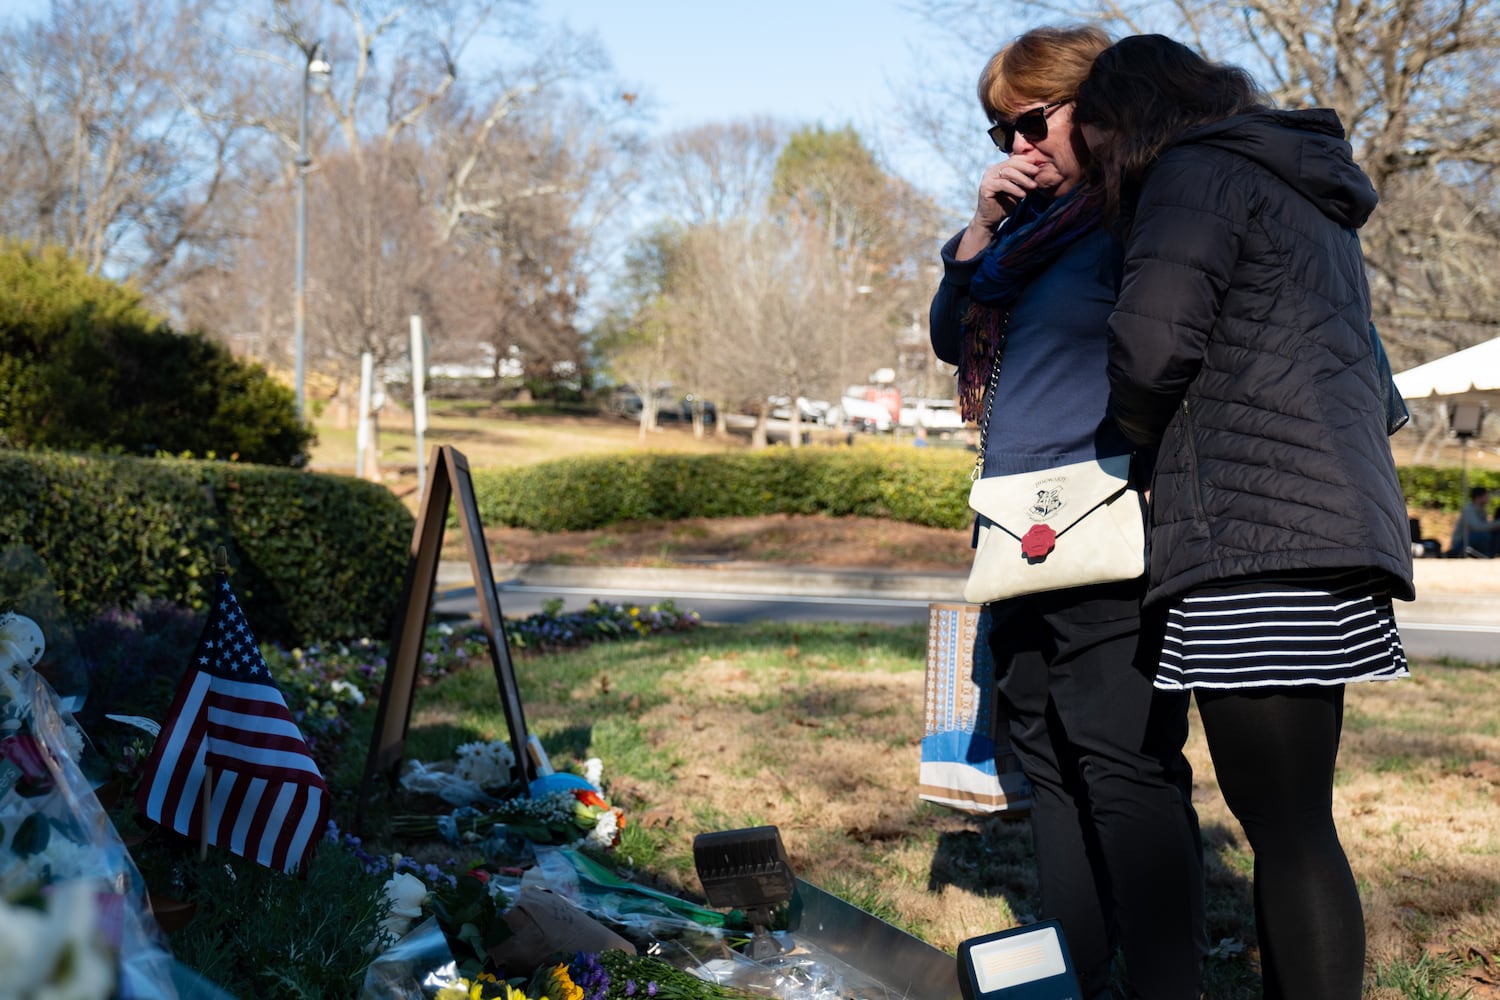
x=989 y=400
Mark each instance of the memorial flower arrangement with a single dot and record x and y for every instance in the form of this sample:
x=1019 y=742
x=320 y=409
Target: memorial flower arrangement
x=71 y=901
x=617 y=975
x=576 y=816
x=604 y=975
x=52 y=945
x=44 y=839
x=560 y=808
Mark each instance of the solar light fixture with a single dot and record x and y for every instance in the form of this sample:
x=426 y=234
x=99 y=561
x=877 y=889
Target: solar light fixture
x=1465 y=419
x=747 y=870
x=1022 y=963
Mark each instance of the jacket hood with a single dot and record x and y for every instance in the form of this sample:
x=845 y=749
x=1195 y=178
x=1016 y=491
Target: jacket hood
x=1306 y=149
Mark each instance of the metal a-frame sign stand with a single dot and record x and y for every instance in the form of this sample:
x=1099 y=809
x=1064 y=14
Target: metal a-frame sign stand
x=447 y=479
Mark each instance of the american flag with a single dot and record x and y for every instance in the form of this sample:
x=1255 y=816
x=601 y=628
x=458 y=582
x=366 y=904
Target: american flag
x=268 y=801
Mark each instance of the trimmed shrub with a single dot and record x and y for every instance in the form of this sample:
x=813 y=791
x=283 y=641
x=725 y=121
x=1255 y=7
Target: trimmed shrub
x=323 y=557
x=905 y=484
x=1432 y=488
x=312 y=557
x=919 y=486
x=84 y=367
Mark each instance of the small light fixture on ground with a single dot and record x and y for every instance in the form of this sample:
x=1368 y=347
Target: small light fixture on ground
x=747 y=870
x=1022 y=963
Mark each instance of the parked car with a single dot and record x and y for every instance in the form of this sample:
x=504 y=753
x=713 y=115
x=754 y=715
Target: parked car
x=705 y=406
x=863 y=414
x=670 y=407
x=809 y=411
x=933 y=414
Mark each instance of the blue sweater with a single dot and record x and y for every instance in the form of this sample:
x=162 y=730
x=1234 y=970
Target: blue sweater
x=1049 y=405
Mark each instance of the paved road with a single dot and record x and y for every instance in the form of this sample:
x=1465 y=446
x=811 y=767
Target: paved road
x=1464 y=630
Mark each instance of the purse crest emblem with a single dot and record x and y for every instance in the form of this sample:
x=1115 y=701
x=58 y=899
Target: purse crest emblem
x=1049 y=500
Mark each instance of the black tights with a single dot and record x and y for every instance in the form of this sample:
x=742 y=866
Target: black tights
x=1274 y=752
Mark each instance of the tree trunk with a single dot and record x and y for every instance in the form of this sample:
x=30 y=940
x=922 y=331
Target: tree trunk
x=758 y=438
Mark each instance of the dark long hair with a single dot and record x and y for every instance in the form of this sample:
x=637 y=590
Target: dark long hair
x=1143 y=92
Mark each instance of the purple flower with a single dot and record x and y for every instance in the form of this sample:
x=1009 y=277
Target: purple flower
x=589 y=975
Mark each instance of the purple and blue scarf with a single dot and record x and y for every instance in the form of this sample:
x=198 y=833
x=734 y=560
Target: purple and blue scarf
x=1007 y=268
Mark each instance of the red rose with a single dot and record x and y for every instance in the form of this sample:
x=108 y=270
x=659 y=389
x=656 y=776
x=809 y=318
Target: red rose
x=1037 y=542
x=30 y=759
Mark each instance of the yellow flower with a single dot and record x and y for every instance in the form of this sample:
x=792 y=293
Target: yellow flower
x=511 y=993
x=562 y=984
x=454 y=991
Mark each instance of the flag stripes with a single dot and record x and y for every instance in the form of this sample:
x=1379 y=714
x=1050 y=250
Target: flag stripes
x=228 y=723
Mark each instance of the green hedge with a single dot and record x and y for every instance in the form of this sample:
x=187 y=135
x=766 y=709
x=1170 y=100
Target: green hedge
x=85 y=367
x=905 y=484
x=318 y=557
x=1431 y=488
x=312 y=557
x=922 y=486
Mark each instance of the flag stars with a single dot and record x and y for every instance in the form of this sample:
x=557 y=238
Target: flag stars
x=231 y=654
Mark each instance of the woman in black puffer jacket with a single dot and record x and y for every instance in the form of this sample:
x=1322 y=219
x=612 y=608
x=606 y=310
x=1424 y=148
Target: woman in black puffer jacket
x=1240 y=349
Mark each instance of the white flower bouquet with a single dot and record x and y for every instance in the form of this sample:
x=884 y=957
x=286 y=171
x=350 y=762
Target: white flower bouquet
x=73 y=915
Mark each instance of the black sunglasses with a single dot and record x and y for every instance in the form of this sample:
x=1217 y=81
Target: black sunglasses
x=1031 y=124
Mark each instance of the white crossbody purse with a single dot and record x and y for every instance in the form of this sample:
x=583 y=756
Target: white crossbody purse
x=1067 y=526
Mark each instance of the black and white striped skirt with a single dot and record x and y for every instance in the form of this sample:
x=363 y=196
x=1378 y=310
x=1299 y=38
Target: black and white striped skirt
x=1335 y=628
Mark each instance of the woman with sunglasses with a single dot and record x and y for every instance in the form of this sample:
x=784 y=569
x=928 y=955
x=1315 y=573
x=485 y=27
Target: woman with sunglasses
x=1029 y=284
x=1240 y=348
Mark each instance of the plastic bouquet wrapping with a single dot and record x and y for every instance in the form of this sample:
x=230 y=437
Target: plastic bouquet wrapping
x=558 y=808
x=568 y=929
x=74 y=921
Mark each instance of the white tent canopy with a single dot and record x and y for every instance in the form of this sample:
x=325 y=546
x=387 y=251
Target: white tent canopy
x=1470 y=374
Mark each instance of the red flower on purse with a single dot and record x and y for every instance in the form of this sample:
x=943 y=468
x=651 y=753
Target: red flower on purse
x=1039 y=541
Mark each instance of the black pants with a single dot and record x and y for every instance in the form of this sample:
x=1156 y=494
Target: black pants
x=1274 y=751
x=1118 y=853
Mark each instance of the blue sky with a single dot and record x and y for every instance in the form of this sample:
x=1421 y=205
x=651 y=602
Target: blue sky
x=833 y=62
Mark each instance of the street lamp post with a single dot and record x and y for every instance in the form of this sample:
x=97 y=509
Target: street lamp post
x=315 y=76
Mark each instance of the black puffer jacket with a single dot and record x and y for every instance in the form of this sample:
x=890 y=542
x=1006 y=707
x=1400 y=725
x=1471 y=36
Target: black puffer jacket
x=1240 y=347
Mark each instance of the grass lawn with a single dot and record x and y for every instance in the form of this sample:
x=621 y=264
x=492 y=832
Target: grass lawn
x=814 y=728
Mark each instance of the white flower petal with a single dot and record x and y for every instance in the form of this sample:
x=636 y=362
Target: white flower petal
x=21 y=641
x=406 y=893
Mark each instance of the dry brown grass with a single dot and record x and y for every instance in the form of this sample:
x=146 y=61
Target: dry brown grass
x=826 y=752
x=495 y=438
x=1419 y=797
x=825 y=747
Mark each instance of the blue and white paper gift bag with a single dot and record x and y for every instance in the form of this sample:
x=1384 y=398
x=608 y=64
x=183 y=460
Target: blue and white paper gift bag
x=966 y=760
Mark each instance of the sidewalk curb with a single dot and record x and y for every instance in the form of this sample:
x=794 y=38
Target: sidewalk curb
x=1437 y=601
